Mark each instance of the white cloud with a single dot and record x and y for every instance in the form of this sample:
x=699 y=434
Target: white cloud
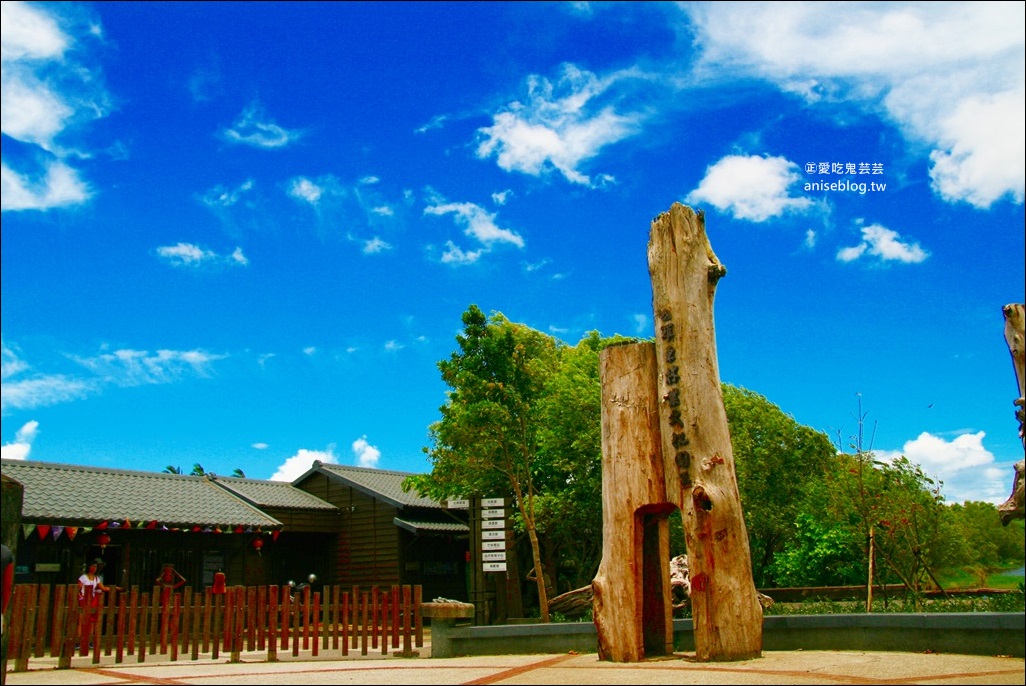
x=38 y=390
x=254 y=128
x=502 y=197
x=560 y=126
x=137 y=367
x=894 y=59
x=310 y=350
x=189 y=255
x=260 y=446
x=366 y=454
x=59 y=186
x=963 y=464
x=303 y=188
x=300 y=463
x=810 y=239
x=750 y=187
x=21 y=446
x=375 y=245
x=47 y=87
x=477 y=223
x=887 y=245
x=222 y=196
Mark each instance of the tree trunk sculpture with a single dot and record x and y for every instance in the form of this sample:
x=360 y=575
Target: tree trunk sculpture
x=1015 y=337
x=697 y=454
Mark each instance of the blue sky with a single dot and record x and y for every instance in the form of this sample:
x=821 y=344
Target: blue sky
x=242 y=234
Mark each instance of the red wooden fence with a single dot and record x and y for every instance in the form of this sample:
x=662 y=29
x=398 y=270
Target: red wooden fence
x=245 y=618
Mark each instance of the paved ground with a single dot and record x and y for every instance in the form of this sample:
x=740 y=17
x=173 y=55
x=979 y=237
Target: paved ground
x=775 y=667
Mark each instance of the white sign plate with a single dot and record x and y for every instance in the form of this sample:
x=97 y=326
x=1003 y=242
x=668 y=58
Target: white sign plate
x=493 y=524
x=493 y=502
x=458 y=504
x=493 y=535
x=493 y=545
x=494 y=566
x=493 y=557
x=497 y=513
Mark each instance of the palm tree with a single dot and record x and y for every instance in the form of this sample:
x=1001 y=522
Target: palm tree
x=197 y=470
x=171 y=469
x=239 y=473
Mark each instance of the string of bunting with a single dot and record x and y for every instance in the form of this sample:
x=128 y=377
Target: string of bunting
x=55 y=530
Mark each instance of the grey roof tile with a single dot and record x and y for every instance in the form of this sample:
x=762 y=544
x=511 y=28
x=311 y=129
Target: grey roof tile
x=381 y=483
x=89 y=495
x=273 y=494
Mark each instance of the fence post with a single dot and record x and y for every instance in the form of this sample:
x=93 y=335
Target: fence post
x=272 y=621
x=418 y=622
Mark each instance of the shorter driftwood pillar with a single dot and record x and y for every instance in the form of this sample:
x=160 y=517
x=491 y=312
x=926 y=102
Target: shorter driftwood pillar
x=632 y=603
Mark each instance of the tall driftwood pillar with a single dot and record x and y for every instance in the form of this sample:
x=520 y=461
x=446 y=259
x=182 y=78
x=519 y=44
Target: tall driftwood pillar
x=1015 y=337
x=697 y=455
x=632 y=604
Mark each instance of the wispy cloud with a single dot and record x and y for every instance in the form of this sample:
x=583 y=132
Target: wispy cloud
x=49 y=86
x=190 y=255
x=300 y=463
x=894 y=59
x=366 y=454
x=353 y=210
x=254 y=128
x=478 y=224
x=128 y=367
x=22 y=389
x=750 y=187
x=21 y=446
x=225 y=196
x=560 y=126
x=885 y=245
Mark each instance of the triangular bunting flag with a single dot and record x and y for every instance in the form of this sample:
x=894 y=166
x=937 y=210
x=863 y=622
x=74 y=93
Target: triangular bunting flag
x=101 y=525
x=43 y=530
x=151 y=525
x=56 y=531
x=72 y=532
x=275 y=534
x=27 y=529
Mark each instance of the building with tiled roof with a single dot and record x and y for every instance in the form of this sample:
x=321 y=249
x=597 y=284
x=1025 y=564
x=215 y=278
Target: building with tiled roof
x=391 y=535
x=73 y=495
x=347 y=525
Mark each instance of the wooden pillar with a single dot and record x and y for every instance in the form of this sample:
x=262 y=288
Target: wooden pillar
x=632 y=605
x=697 y=455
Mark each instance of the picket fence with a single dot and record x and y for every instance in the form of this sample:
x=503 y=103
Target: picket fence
x=48 y=621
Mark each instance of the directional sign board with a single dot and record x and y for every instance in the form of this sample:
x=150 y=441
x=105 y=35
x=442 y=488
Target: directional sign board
x=494 y=557
x=493 y=524
x=496 y=513
x=493 y=545
x=493 y=535
x=495 y=566
x=493 y=502
x=458 y=504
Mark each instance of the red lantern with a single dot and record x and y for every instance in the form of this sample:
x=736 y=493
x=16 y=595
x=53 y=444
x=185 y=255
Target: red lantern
x=103 y=540
x=258 y=543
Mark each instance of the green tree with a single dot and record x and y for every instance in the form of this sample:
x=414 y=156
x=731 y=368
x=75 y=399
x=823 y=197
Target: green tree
x=487 y=438
x=779 y=463
x=197 y=470
x=171 y=469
